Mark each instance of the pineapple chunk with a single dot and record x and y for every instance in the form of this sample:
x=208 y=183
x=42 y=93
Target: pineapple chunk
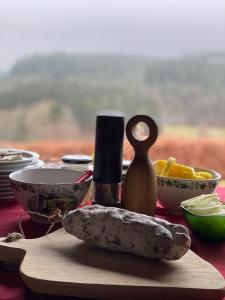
x=170 y=168
x=158 y=166
x=205 y=175
x=169 y=164
x=182 y=171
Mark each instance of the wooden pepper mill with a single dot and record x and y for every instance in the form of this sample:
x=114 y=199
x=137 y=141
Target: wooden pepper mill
x=140 y=188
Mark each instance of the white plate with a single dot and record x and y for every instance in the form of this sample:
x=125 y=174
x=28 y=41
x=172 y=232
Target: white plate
x=36 y=164
x=28 y=156
x=7 y=172
x=6 y=190
x=4 y=177
x=5 y=187
x=8 y=167
x=4 y=184
x=11 y=168
x=34 y=154
x=25 y=158
x=8 y=198
x=6 y=195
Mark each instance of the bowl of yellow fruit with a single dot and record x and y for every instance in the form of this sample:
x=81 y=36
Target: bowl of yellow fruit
x=205 y=215
x=177 y=182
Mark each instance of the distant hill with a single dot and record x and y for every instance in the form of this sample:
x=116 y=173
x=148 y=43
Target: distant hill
x=188 y=90
x=64 y=65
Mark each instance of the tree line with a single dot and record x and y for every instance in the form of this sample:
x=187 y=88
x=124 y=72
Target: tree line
x=187 y=90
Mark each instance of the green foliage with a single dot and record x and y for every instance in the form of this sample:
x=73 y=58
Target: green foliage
x=55 y=113
x=181 y=91
x=203 y=70
x=63 y=65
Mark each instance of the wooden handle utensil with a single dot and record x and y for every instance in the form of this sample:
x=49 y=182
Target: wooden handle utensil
x=140 y=188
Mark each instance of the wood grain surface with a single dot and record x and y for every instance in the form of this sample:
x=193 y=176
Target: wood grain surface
x=140 y=187
x=60 y=264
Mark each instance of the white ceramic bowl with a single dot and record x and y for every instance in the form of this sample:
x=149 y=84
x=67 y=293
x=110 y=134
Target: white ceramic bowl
x=172 y=191
x=44 y=190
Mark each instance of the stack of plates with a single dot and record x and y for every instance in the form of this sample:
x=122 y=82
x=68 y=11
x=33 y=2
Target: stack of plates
x=25 y=160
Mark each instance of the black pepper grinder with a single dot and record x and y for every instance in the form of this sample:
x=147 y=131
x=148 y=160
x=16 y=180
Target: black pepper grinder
x=107 y=175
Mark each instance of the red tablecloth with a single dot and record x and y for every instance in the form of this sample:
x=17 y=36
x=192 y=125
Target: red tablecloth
x=13 y=288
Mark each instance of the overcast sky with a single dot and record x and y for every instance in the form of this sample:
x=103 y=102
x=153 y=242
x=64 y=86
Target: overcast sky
x=162 y=28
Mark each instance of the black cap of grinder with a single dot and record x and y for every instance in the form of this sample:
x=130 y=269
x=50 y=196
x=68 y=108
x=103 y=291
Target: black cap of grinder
x=108 y=148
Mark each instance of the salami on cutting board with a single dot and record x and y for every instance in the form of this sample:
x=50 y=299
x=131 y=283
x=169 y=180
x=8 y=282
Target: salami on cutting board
x=60 y=264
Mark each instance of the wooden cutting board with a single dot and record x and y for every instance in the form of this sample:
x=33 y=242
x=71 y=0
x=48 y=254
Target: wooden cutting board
x=60 y=264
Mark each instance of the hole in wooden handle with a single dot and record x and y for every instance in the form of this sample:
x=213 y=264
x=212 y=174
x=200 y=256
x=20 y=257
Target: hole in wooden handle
x=141 y=131
x=145 y=142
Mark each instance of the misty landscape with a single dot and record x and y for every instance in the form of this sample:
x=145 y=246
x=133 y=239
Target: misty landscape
x=58 y=95
x=62 y=62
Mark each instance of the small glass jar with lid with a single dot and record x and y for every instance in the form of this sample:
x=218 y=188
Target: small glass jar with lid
x=126 y=164
x=78 y=162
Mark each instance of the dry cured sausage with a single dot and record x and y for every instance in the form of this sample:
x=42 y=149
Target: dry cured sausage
x=121 y=230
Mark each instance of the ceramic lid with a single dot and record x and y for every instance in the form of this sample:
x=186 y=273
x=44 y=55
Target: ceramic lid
x=76 y=159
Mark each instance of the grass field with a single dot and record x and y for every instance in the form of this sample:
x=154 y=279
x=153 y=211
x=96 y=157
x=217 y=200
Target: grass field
x=194 y=132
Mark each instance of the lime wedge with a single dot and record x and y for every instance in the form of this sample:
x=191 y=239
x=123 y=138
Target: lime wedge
x=196 y=200
x=220 y=212
x=204 y=210
x=204 y=205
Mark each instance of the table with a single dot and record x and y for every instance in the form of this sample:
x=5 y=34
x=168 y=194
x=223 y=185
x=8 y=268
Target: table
x=13 y=288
